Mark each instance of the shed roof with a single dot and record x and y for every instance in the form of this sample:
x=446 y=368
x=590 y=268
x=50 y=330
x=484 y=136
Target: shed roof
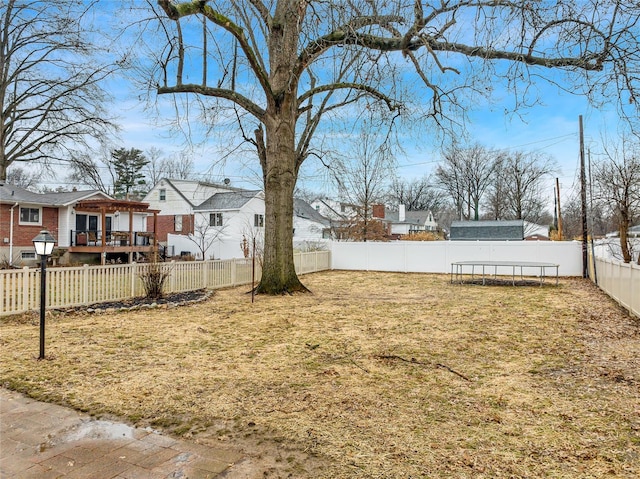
x=487 y=230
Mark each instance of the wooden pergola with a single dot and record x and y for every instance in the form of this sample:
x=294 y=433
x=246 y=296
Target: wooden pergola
x=108 y=206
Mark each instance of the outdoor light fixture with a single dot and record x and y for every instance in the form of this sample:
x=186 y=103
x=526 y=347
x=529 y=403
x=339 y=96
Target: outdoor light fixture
x=43 y=243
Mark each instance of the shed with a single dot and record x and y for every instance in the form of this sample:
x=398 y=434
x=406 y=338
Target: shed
x=512 y=230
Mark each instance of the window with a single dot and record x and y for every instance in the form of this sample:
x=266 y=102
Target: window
x=258 y=221
x=28 y=255
x=215 y=219
x=30 y=215
x=163 y=196
x=177 y=223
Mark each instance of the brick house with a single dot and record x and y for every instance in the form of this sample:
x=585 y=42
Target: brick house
x=89 y=226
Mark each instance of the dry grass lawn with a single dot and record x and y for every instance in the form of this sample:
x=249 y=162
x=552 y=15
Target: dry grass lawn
x=374 y=375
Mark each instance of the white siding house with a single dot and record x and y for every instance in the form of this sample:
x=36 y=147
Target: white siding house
x=211 y=221
x=310 y=228
x=334 y=210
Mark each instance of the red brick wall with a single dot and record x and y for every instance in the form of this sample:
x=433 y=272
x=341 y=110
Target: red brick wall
x=166 y=225
x=4 y=221
x=378 y=211
x=24 y=234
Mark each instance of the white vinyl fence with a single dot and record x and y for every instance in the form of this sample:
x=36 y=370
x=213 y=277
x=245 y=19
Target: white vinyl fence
x=619 y=280
x=437 y=256
x=68 y=287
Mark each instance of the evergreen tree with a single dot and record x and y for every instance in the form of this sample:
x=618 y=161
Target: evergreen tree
x=128 y=165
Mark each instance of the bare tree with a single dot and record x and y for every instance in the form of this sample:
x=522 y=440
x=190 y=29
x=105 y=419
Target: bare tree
x=114 y=171
x=517 y=189
x=205 y=233
x=617 y=187
x=525 y=174
x=495 y=204
x=361 y=175
x=19 y=176
x=94 y=170
x=51 y=101
x=466 y=174
x=278 y=68
x=159 y=166
x=418 y=194
x=252 y=235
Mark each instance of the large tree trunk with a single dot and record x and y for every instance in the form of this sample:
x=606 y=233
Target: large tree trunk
x=278 y=155
x=280 y=175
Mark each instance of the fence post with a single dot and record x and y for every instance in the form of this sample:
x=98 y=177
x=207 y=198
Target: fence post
x=172 y=276
x=25 y=289
x=205 y=273
x=85 y=284
x=233 y=272
x=132 y=268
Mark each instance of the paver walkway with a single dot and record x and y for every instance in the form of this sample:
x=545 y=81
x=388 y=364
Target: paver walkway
x=46 y=441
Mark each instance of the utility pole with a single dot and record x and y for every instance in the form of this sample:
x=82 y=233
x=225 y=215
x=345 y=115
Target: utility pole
x=583 y=201
x=593 y=252
x=559 y=212
x=555 y=209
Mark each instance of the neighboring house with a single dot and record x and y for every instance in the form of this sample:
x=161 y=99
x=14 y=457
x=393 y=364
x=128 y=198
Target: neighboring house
x=176 y=200
x=334 y=210
x=224 y=219
x=208 y=220
x=310 y=228
x=535 y=232
x=89 y=226
x=404 y=222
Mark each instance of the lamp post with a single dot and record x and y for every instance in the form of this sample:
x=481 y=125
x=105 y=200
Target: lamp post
x=43 y=243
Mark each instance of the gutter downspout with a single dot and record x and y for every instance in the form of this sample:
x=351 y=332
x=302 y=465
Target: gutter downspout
x=11 y=236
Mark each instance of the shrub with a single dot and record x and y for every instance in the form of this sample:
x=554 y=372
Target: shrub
x=153 y=276
x=422 y=236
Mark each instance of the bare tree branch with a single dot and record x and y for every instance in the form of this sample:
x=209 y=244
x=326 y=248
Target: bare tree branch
x=51 y=99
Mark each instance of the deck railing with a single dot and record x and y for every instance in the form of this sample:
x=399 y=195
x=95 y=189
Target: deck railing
x=83 y=285
x=111 y=238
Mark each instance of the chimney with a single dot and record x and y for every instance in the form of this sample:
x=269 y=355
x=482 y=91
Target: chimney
x=378 y=211
x=401 y=214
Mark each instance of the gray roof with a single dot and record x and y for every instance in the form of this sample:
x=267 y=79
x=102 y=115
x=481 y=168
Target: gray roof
x=233 y=200
x=16 y=194
x=410 y=217
x=487 y=230
x=302 y=209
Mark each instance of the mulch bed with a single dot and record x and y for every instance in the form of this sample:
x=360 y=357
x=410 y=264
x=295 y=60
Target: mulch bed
x=167 y=301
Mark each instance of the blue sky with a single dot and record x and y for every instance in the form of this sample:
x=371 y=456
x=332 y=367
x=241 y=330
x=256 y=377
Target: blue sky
x=551 y=128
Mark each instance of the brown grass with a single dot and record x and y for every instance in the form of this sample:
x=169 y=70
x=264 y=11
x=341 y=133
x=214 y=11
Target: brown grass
x=367 y=377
